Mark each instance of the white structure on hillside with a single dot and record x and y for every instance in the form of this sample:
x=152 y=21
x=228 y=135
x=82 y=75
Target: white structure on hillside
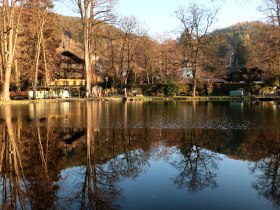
x=187 y=73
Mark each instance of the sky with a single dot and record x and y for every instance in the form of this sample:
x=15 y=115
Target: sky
x=157 y=16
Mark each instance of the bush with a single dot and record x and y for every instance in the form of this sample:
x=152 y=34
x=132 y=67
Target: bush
x=220 y=89
x=170 y=89
x=155 y=89
x=187 y=89
x=131 y=86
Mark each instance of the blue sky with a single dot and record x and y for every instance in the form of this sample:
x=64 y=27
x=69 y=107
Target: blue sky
x=158 y=15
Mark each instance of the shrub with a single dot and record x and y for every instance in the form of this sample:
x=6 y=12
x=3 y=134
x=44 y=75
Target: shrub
x=156 y=89
x=224 y=89
x=170 y=89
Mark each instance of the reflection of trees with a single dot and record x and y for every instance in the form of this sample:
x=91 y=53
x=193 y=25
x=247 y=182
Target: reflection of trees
x=268 y=182
x=198 y=166
x=133 y=159
x=29 y=167
x=42 y=151
x=14 y=186
x=111 y=155
x=99 y=187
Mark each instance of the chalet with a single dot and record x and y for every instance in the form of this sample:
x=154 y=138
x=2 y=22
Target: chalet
x=70 y=72
x=246 y=75
x=69 y=78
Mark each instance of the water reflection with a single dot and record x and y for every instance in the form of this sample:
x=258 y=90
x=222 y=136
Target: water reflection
x=268 y=180
x=197 y=166
x=14 y=192
x=28 y=162
x=111 y=143
x=99 y=187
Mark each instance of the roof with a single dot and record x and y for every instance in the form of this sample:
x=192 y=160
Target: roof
x=73 y=56
x=211 y=80
x=245 y=70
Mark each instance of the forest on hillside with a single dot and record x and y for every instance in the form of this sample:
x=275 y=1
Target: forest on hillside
x=30 y=45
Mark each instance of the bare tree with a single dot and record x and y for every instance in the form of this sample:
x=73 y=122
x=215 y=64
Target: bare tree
x=272 y=10
x=40 y=11
x=39 y=36
x=130 y=40
x=196 y=22
x=93 y=13
x=10 y=11
x=111 y=63
x=268 y=40
x=171 y=58
x=142 y=59
x=123 y=47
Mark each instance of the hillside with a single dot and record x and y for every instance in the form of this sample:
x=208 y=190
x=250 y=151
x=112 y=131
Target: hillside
x=239 y=37
x=232 y=45
x=241 y=31
x=72 y=28
x=72 y=34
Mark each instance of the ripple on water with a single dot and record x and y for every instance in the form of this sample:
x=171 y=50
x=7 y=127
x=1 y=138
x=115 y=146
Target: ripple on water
x=201 y=122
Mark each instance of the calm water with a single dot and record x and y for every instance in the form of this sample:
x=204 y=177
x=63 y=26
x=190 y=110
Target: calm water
x=140 y=155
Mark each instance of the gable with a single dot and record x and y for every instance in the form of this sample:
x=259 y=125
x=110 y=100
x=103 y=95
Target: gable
x=71 y=57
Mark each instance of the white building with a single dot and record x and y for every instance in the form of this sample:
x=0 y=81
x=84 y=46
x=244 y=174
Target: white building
x=187 y=73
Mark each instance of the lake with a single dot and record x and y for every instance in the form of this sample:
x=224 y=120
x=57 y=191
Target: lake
x=140 y=155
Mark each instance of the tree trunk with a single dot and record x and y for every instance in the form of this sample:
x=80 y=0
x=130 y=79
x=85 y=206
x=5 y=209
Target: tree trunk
x=194 y=82
x=91 y=11
x=9 y=36
x=17 y=73
x=87 y=60
x=40 y=37
x=194 y=87
x=148 y=77
x=1 y=69
x=5 y=95
x=37 y=57
x=47 y=74
x=9 y=46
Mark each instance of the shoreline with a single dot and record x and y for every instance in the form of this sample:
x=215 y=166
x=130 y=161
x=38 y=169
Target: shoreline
x=147 y=98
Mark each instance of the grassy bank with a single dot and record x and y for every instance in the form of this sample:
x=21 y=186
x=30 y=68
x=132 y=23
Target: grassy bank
x=145 y=98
